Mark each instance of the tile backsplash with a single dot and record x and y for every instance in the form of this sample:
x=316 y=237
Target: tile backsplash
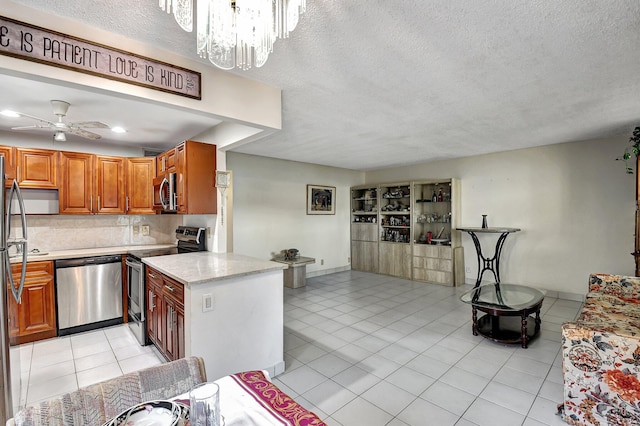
x=63 y=232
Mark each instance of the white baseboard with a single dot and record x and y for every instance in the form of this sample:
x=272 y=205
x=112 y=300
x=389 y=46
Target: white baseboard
x=328 y=271
x=548 y=293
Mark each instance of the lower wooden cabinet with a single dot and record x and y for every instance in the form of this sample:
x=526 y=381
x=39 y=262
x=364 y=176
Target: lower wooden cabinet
x=395 y=259
x=165 y=314
x=364 y=256
x=433 y=264
x=34 y=318
x=364 y=247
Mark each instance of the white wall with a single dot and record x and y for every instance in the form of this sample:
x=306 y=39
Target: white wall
x=269 y=210
x=574 y=203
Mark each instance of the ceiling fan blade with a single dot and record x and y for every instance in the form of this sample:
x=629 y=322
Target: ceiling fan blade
x=90 y=124
x=35 y=126
x=83 y=133
x=33 y=117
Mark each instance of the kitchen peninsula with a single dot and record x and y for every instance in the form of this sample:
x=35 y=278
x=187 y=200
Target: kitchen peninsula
x=233 y=309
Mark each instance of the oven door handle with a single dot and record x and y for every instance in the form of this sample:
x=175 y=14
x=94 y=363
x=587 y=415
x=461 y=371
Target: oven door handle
x=138 y=266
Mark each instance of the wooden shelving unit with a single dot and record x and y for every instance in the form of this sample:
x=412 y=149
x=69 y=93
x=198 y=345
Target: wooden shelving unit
x=407 y=230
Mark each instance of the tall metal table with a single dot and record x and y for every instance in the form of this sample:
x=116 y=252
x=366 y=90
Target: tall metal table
x=489 y=263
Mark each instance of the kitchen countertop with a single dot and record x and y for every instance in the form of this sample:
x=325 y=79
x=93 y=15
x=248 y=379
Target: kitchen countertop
x=204 y=266
x=86 y=252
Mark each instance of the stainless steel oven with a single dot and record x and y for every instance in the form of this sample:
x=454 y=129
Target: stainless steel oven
x=190 y=239
x=135 y=295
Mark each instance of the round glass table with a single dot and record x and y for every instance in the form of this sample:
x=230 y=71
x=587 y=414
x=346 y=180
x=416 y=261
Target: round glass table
x=515 y=302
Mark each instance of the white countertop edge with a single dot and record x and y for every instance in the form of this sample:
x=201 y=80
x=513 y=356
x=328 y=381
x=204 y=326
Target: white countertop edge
x=88 y=252
x=197 y=268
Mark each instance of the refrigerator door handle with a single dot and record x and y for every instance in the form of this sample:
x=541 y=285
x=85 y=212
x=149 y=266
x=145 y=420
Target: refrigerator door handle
x=21 y=243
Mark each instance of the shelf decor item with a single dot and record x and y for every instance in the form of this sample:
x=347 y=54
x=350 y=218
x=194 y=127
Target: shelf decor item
x=321 y=199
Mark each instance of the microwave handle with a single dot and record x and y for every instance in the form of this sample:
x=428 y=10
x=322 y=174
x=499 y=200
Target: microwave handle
x=173 y=197
x=164 y=182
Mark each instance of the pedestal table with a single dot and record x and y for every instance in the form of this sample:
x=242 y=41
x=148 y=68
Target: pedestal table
x=489 y=263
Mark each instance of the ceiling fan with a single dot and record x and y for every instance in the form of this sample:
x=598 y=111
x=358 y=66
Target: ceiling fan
x=60 y=127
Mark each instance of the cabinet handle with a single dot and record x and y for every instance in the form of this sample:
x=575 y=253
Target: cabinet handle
x=152 y=275
x=98 y=204
x=171 y=289
x=18 y=174
x=151 y=304
x=126 y=209
x=170 y=319
x=91 y=203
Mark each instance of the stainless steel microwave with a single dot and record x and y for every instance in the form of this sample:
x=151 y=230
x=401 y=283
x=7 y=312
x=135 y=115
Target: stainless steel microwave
x=165 y=197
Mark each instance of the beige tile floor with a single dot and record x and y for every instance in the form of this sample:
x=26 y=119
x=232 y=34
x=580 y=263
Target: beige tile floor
x=56 y=366
x=361 y=349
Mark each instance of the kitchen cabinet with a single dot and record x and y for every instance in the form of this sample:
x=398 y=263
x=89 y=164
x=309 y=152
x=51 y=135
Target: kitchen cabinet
x=165 y=314
x=173 y=295
x=155 y=331
x=35 y=318
x=195 y=178
x=110 y=190
x=140 y=174
x=76 y=189
x=166 y=162
x=37 y=168
x=9 y=154
x=91 y=184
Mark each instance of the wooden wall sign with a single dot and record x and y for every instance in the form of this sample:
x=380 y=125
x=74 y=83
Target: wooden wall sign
x=36 y=44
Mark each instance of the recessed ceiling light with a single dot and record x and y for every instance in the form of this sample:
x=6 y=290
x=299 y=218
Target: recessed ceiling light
x=9 y=113
x=118 y=129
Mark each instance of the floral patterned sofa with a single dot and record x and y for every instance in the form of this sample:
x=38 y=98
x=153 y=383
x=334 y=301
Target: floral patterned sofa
x=601 y=355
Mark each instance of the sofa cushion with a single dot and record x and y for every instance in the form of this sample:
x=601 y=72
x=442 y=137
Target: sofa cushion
x=626 y=288
x=610 y=313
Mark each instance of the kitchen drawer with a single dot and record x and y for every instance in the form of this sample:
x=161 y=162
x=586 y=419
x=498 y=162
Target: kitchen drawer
x=154 y=276
x=173 y=289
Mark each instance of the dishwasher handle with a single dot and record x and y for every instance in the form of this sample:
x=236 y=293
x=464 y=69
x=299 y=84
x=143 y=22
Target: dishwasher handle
x=86 y=261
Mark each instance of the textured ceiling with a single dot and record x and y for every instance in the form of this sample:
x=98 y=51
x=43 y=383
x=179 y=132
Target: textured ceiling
x=374 y=84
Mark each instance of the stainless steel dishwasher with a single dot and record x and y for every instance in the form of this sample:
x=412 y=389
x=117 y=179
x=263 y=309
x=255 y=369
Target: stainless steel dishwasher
x=89 y=293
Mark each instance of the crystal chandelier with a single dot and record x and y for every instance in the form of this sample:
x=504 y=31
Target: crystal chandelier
x=236 y=33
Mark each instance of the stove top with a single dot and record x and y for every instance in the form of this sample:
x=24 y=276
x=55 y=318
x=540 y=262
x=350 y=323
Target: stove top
x=139 y=254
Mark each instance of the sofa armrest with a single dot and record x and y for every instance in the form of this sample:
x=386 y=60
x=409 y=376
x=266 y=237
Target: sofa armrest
x=601 y=373
x=625 y=287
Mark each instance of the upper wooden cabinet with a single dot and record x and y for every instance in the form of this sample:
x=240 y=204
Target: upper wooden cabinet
x=110 y=185
x=140 y=174
x=76 y=183
x=166 y=162
x=9 y=154
x=196 y=177
x=91 y=184
x=37 y=168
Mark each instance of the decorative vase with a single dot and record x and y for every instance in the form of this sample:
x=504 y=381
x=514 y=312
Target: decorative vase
x=484 y=221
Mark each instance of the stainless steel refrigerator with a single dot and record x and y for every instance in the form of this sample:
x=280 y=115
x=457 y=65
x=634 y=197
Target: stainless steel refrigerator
x=11 y=371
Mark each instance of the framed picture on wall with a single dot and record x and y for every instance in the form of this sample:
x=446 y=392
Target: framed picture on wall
x=321 y=199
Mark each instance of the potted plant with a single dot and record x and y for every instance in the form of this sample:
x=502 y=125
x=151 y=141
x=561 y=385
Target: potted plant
x=634 y=150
